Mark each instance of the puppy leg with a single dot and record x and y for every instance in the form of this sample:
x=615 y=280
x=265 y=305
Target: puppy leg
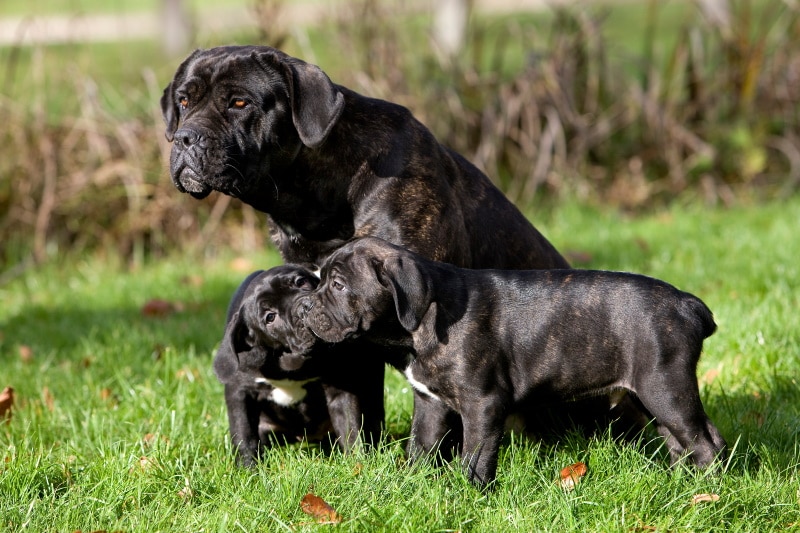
x=483 y=432
x=673 y=397
x=243 y=418
x=435 y=429
x=354 y=393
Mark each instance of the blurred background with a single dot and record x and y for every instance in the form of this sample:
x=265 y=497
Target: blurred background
x=629 y=104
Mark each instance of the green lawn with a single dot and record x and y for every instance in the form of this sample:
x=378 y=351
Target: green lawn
x=119 y=423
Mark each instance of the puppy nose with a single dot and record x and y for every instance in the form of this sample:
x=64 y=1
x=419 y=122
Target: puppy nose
x=187 y=137
x=304 y=305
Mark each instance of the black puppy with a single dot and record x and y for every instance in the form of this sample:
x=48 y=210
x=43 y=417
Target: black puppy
x=487 y=344
x=272 y=388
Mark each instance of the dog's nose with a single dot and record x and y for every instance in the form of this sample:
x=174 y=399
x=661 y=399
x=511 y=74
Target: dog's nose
x=187 y=137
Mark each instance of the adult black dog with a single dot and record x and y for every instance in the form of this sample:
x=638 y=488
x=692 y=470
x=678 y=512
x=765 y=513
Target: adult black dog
x=270 y=366
x=487 y=344
x=327 y=164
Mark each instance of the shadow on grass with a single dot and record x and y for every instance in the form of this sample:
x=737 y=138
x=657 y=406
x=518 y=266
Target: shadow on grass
x=77 y=331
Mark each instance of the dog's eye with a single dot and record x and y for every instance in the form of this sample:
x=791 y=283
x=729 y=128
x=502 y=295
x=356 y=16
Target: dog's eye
x=302 y=282
x=338 y=286
x=238 y=103
x=270 y=318
x=184 y=102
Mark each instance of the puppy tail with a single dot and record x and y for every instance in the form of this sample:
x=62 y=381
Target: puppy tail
x=704 y=314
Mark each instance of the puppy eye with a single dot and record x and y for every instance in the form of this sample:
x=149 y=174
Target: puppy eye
x=238 y=103
x=338 y=286
x=270 y=318
x=302 y=282
x=184 y=102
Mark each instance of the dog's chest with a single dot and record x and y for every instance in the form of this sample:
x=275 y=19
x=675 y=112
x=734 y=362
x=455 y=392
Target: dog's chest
x=285 y=392
x=424 y=383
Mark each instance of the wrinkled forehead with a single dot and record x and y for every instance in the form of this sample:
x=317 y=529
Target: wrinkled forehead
x=235 y=68
x=340 y=261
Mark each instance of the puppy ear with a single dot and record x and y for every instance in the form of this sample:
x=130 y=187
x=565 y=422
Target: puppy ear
x=226 y=361
x=410 y=289
x=316 y=102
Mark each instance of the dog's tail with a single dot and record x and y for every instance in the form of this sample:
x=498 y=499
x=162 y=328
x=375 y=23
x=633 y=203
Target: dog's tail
x=700 y=310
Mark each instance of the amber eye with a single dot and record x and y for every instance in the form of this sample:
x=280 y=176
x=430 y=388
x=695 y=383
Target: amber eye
x=184 y=102
x=239 y=103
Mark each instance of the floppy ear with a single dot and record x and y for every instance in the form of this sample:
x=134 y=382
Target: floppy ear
x=170 y=112
x=316 y=102
x=226 y=362
x=410 y=289
x=169 y=108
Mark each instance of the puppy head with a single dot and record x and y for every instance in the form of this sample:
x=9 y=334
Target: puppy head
x=238 y=114
x=264 y=336
x=364 y=281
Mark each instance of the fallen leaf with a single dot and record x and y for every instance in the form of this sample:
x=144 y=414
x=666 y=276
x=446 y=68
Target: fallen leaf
x=571 y=475
x=186 y=492
x=151 y=439
x=241 y=264
x=25 y=353
x=48 y=399
x=159 y=308
x=193 y=281
x=710 y=376
x=144 y=464
x=189 y=374
x=701 y=498
x=6 y=403
x=319 y=509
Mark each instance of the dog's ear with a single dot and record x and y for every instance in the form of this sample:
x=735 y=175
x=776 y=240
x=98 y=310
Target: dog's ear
x=409 y=287
x=226 y=362
x=316 y=102
x=169 y=111
x=169 y=107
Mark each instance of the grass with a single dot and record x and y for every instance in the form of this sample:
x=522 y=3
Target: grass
x=119 y=422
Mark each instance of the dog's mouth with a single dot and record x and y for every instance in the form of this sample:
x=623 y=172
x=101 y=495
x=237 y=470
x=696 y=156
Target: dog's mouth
x=188 y=181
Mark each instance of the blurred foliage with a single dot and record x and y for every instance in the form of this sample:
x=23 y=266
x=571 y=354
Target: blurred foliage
x=544 y=105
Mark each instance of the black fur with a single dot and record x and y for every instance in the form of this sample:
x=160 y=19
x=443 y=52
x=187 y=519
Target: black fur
x=271 y=367
x=489 y=344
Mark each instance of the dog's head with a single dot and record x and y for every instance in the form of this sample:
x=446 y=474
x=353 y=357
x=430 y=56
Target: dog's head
x=264 y=336
x=365 y=281
x=236 y=113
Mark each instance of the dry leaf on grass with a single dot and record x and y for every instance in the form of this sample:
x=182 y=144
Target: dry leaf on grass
x=25 y=353
x=47 y=398
x=571 y=475
x=160 y=308
x=702 y=498
x=319 y=509
x=144 y=464
x=186 y=493
x=241 y=264
x=6 y=403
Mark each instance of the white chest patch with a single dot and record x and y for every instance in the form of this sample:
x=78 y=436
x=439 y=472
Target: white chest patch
x=420 y=387
x=286 y=392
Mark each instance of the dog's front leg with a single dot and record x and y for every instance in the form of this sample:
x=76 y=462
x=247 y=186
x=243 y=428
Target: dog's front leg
x=435 y=429
x=483 y=430
x=354 y=394
x=243 y=414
